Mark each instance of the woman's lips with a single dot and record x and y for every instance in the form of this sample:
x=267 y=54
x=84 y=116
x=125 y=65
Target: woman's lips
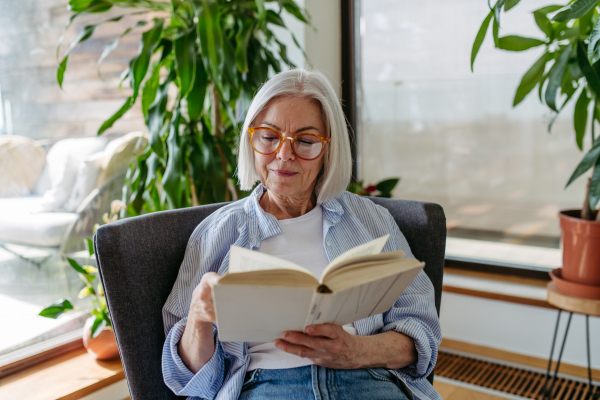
x=283 y=172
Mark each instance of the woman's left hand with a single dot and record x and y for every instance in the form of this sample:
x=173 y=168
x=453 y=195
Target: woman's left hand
x=326 y=345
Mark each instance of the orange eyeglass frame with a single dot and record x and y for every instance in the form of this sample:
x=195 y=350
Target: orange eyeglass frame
x=282 y=139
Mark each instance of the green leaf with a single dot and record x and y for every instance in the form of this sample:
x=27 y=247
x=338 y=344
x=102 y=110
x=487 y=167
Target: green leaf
x=274 y=18
x=586 y=163
x=110 y=47
x=211 y=40
x=593 y=52
x=139 y=64
x=89 y=245
x=75 y=265
x=195 y=100
x=173 y=173
x=185 y=57
x=479 y=38
x=89 y=6
x=590 y=73
x=55 y=310
x=595 y=186
x=85 y=292
x=518 y=43
x=510 y=4
x=150 y=89
x=157 y=115
x=575 y=10
x=120 y=112
x=543 y=22
x=97 y=326
x=291 y=7
x=385 y=187
x=531 y=78
x=283 y=53
x=580 y=117
x=241 y=48
x=555 y=78
x=549 y=9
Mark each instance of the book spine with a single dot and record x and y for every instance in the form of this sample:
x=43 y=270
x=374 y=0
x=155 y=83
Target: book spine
x=319 y=309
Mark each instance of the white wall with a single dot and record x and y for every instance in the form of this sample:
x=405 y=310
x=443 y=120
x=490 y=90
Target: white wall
x=322 y=41
x=516 y=328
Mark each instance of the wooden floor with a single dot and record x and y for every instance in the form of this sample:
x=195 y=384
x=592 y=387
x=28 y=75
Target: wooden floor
x=451 y=392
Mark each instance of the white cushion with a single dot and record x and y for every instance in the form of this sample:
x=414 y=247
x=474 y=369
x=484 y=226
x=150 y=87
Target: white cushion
x=21 y=163
x=21 y=222
x=62 y=163
x=87 y=176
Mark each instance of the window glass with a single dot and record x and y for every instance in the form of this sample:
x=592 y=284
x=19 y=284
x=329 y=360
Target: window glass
x=451 y=135
x=41 y=222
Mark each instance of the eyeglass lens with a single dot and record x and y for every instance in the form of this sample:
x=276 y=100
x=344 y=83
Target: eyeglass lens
x=305 y=146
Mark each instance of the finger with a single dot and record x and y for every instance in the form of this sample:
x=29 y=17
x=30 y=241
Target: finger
x=299 y=338
x=326 y=330
x=210 y=278
x=298 y=350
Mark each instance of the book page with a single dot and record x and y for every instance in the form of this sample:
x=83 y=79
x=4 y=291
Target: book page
x=373 y=247
x=364 y=300
x=244 y=260
x=259 y=313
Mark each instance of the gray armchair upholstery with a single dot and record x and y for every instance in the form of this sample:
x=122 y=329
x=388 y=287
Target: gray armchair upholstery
x=139 y=259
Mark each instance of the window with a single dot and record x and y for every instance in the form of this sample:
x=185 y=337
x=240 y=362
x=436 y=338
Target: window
x=452 y=136
x=33 y=270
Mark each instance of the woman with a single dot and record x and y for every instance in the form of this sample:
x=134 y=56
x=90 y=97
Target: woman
x=295 y=142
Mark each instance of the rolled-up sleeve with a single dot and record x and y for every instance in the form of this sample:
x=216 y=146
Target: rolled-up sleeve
x=183 y=382
x=201 y=256
x=414 y=313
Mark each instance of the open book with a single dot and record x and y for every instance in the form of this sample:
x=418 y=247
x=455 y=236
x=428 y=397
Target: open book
x=262 y=296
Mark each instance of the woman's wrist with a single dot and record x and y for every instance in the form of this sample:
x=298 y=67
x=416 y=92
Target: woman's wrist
x=197 y=345
x=390 y=350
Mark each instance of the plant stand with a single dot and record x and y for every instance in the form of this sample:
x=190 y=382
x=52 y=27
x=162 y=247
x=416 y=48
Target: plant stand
x=572 y=305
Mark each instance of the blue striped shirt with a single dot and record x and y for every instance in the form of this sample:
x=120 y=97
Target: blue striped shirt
x=348 y=221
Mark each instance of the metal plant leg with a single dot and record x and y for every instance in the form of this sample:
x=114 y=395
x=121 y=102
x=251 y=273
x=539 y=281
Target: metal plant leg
x=562 y=348
x=551 y=354
x=590 y=393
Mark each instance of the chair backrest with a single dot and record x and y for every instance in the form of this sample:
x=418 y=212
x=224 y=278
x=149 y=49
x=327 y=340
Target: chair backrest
x=139 y=259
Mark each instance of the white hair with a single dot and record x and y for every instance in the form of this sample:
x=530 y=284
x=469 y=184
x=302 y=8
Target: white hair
x=337 y=166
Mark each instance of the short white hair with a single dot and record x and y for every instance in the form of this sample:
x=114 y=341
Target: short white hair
x=337 y=164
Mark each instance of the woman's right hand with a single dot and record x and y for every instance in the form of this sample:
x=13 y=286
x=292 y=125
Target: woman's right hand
x=202 y=307
x=197 y=345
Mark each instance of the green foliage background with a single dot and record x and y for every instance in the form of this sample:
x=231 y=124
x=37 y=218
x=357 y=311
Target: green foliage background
x=197 y=68
x=568 y=69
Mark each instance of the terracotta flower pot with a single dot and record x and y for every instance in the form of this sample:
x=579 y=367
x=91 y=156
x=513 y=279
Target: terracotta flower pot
x=581 y=248
x=102 y=347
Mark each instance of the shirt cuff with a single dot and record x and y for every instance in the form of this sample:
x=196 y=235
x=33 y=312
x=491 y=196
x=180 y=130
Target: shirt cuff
x=426 y=352
x=206 y=383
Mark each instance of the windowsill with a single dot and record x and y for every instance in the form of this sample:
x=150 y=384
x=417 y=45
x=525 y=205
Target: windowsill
x=494 y=286
x=503 y=254
x=68 y=376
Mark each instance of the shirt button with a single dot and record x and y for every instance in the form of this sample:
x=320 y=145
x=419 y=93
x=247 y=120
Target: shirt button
x=328 y=243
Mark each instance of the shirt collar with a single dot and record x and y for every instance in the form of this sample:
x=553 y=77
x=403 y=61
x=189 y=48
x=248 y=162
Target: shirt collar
x=265 y=225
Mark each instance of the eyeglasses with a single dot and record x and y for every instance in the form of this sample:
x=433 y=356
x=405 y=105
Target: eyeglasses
x=306 y=146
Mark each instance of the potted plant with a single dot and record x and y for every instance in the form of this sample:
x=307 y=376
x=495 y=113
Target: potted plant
x=569 y=68
x=98 y=336
x=198 y=66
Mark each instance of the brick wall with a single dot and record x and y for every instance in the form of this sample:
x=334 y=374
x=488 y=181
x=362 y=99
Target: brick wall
x=29 y=33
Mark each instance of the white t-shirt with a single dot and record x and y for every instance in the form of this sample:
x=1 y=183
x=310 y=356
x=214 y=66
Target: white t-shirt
x=301 y=242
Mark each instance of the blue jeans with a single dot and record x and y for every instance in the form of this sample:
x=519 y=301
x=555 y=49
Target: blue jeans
x=320 y=383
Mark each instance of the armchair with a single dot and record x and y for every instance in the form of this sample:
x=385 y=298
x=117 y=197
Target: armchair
x=139 y=259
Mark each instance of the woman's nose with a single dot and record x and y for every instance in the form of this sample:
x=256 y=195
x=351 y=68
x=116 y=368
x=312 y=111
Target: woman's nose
x=285 y=152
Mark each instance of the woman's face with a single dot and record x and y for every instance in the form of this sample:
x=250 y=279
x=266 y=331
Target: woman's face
x=283 y=173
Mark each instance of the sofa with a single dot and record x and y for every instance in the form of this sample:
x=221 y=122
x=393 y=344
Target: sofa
x=52 y=200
